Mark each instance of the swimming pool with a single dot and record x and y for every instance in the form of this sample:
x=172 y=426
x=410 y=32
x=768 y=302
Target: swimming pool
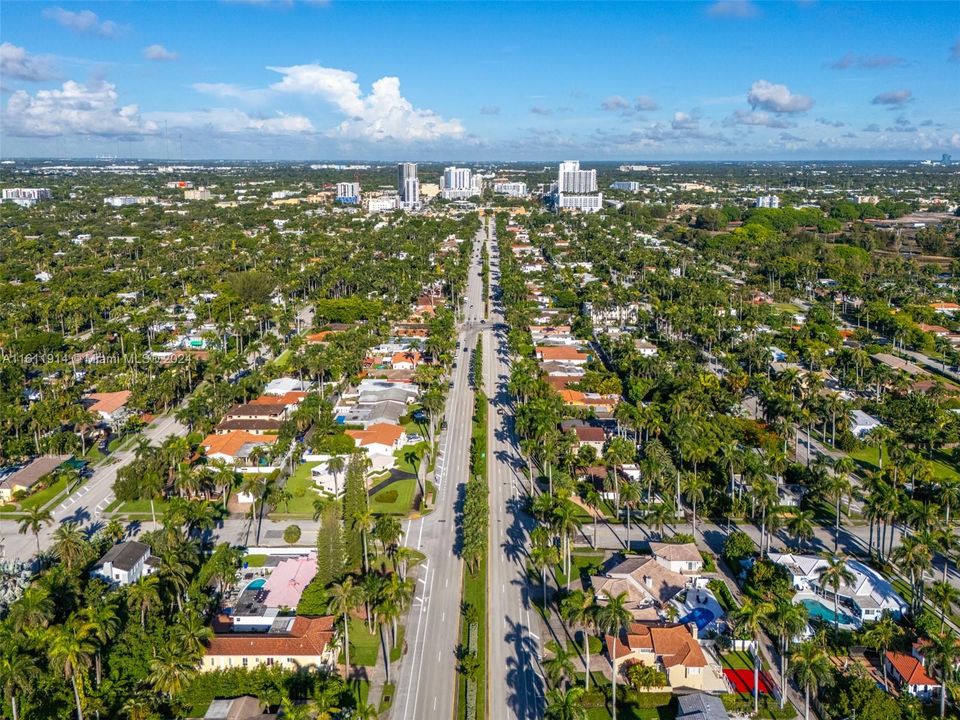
x=699 y=615
x=819 y=610
x=256 y=584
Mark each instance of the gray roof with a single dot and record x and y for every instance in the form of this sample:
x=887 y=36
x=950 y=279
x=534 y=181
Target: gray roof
x=125 y=555
x=700 y=706
x=29 y=474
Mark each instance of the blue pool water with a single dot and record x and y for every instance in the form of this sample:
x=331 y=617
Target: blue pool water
x=701 y=616
x=818 y=610
x=256 y=584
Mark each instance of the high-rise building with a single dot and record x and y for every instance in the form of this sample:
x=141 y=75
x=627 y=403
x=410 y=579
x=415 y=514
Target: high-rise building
x=946 y=159
x=348 y=193
x=767 y=201
x=513 y=189
x=571 y=179
x=408 y=186
x=583 y=203
x=26 y=197
x=628 y=185
x=460 y=183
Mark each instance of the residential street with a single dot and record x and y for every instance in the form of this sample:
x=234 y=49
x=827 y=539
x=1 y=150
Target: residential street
x=515 y=686
x=427 y=675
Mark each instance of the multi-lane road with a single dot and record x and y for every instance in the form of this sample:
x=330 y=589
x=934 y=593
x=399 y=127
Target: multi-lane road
x=427 y=681
x=515 y=686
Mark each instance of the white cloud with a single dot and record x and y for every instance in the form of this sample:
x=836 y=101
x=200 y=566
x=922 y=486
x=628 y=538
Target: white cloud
x=757 y=119
x=645 y=103
x=74 y=109
x=84 y=21
x=683 y=121
x=830 y=123
x=618 y=103
x=742 y=9
x=16 y=63
x=158 y=53
x=615 y=102
x=955 y=140
x=893 y=99
x=233 y=121
x=382 y=114
x=777 y=98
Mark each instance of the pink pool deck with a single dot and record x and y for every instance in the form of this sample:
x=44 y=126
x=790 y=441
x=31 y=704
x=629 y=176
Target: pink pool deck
x=287 y=581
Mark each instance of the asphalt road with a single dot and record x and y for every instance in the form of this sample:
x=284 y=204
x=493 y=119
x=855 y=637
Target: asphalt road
x=87 y=503
x=427 y=679
x=515 y=686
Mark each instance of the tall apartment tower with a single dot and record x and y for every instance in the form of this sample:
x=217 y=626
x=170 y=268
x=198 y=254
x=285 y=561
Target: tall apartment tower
x=571 y=179
x=408 y=187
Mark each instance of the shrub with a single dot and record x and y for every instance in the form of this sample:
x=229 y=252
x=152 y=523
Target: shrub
x=386 y=497
x=291 y=534
x=737 y=546
x=314 y=600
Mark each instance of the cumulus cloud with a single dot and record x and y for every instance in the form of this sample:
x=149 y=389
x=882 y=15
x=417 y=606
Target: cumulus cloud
x=74 y=109
x=490 y=110
x=83 y=21
x=741 y=9
x=777 y=98
x=893 y=99
x=382 y=114
x=233 y=121
x=866 y=62
x=614 y=103
x=618 y=103
x=158 y=53
x=872 y=128
x=683 y=121
x=830 y=123
x=541 y=110
x=757 y=119
x=791 y=138
x=16 y=63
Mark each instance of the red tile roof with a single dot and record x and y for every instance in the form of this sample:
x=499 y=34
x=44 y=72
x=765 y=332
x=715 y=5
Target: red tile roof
x=108 y=402
x=909 y=669
x=673 y=644
x=307 y=637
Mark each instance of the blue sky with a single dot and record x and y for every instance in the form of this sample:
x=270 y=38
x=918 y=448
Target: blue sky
x=471 y=81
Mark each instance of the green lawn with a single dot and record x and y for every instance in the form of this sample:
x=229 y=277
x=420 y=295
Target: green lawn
x=739 y=660
x=282 y=360
x=364 y=646
x=300 y=486
x=395 y=499
x=582 y=565
x=43 y=497
x=255 y=561
x=138 y=507
x=475 y=593
x=942 y=468
x=406 y=465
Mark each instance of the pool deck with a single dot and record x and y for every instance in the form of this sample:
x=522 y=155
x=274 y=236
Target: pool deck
x=710 y=604
x=828 y=605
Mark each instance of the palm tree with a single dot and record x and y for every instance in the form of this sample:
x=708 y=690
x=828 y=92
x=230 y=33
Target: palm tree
x=592 y=498
x=811 y=669
x=34 y=521
x=800 y=525
x=336 y=465
x=102 y=622
x=580 y=609
x=344 y=598
x=144 y=595
x=69 y=544
x=660 y=514
x=944 y=595
x=170 y=670
x=613 y=618
x=559 y=666
x=566 y=705
x=629 y=497
x=192 y=633
x=750 y=617
x=788 y=620
x=943 y=652
x=833 y=575
x=18 y=668
x=838 y=487
x=695 y=489
x=543 y=557
x=70 y=652
x=565 y=523
x=881 y=635
x=364 y=521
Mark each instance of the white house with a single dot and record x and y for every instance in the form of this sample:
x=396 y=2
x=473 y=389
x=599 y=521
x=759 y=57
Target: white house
x=125 y=563
x=861 y=423
x=868 y=596
x=678 y=557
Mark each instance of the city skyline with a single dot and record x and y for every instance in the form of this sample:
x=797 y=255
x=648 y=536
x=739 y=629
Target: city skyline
x=535 y=81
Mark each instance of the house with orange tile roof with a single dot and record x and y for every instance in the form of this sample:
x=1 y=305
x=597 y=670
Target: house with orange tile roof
x=908 y=672
x=110 y=406
x=562 y=353
x=238 y=448
x=673 y=649
x=318 y=338
x=406 y=360
x=939 y=330
x=947 y=308
x=290 y=399
x=599 y=403
x=379 y=438
x=269 y=409
x=306 y=642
